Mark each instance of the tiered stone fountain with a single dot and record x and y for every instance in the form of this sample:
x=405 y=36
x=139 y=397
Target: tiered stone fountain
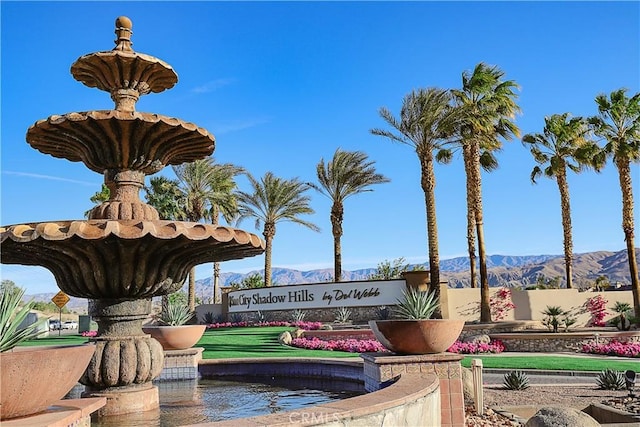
x=124 y=254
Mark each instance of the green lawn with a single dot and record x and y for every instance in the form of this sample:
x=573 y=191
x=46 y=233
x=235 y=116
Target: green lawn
x=553 y=363
x=229 y=343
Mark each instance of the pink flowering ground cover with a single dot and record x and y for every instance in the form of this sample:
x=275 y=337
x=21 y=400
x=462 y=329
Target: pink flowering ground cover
x=366 y=346
x=614 y=348
x=495 y=346
x=349 y=345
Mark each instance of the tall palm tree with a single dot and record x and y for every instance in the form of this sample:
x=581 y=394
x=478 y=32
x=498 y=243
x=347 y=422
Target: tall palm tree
x=165 y=196
x=618 y=124
x=223 y=202
x=489 y=106
x=425 y=124
x=274 y=200
x=347 y=174
x=562 y=145
x=195 y=180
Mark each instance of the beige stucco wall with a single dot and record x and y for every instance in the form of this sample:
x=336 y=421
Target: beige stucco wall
x=465 y=303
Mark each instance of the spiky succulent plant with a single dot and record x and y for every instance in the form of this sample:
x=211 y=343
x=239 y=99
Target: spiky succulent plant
x=12 y=314
x=175 y=314
x=610 y=379
x=515 y=380
x=416 y=305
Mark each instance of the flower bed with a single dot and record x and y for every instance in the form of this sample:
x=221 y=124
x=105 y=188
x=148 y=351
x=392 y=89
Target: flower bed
x=366 y=346
x=613 y=348
x=459 y=347
x=348 y=345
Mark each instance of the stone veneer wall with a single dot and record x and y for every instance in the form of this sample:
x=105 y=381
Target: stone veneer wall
x=327 y=315
x=531 y=342
x=381 y=369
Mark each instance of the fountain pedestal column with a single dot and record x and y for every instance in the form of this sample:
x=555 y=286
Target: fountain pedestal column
x=126 y=359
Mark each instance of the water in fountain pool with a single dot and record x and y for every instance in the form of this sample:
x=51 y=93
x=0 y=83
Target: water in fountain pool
x=206 y=400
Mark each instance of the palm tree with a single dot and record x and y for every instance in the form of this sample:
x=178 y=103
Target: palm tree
x=165 y=196
x=488 y=104
x=563 y=144
x=274 y=200
x=347 y=174
x=618 y=124
x=195 y=180
x=425 y=123
x=222 y=201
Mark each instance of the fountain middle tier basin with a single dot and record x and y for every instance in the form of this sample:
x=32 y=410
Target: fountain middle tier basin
x=129 y=259
x=112 y=139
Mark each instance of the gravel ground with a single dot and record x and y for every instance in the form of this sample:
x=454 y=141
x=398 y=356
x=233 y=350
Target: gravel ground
x=578 y=397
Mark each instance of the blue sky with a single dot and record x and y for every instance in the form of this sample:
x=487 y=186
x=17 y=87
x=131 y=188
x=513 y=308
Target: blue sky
x=283 y=84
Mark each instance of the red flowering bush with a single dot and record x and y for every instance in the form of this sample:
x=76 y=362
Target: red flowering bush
x=495 y=346
x=307 y=326
x=614 y=348
x=597 y=307
x=501 y=304
x=349 y=345
x=89 y=333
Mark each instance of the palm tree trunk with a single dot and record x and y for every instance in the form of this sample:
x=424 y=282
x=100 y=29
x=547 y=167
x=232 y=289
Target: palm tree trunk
x=269 y=232
x=563 y=186
x=485 y=306
x=428 y=182
x=192 y=289
x=217 y=298
x=471 y=218
x=337 y=213
x=624 y=172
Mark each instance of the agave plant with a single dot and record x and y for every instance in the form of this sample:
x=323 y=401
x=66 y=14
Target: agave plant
x=610 y=379
x=298 y=316
x=416 y=305
x=342 y=315
x=12 y=314
x=176 y=314
x=515 y=380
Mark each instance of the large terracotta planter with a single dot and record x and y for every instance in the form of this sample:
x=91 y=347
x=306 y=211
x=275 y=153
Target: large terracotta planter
x=33 y=378
x=417 y=336
x=176 y=337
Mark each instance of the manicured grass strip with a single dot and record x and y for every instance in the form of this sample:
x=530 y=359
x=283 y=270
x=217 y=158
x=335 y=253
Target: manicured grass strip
x=57 y=340
x=552 y=363
x=231 y=343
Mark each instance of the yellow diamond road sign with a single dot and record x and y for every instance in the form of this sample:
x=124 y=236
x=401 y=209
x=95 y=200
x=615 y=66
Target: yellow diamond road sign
x=60 y=299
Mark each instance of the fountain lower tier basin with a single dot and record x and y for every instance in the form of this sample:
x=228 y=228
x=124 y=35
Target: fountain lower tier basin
x=126 y=259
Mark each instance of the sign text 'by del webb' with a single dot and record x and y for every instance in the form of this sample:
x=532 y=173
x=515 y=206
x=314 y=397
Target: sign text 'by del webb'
x=348 y=294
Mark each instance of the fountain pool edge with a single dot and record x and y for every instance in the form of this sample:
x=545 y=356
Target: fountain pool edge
x=411 y=400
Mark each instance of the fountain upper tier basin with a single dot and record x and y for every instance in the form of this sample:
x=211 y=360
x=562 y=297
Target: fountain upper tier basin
x=121 y=140
x=128 y=259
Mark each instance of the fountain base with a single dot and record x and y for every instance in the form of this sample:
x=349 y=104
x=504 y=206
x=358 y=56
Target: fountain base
x=126 y=402
x=66 y=412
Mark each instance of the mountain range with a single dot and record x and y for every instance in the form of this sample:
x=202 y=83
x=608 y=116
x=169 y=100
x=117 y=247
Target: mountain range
x=503 y=270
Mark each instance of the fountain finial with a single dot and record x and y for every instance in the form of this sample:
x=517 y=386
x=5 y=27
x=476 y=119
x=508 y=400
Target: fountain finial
x=123 y=31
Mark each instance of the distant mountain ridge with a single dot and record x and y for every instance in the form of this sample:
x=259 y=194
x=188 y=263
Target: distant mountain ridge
x=503 y=270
